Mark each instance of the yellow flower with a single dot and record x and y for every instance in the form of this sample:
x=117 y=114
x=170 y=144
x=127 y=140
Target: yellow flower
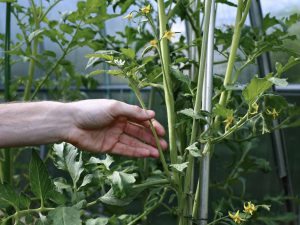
x=146 y=9
x=169 y=34
x=236 y=217
x=249 y=208
x=129 y=16
x=273 y=113
x=254 y=108
x=153 y=43
x=229 y=120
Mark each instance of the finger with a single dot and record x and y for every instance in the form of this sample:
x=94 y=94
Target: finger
x=123 y=149
x=143 y=134
x=133 y=142
x=132 y=112
x=160 y=130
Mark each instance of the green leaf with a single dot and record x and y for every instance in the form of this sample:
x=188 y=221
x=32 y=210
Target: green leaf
x=111 y=199
x=65 y=216
x=190 y=113
x=110 y=72
x=98 y=221
x=106 y=162
x=35 y=34
x=67 y=159
x=180 y=76
x=121 y=182
x=256 y=88
x=220 y=110
x=180 y=167
x=9 y=196
x=279 y=81
x=40 y=182
x=194 y=150
x=128 y=52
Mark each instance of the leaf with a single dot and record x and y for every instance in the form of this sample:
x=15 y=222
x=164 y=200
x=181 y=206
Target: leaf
x=35 y=34
x=110 y=72
x=128 y=52
x=180 y=167
x=65 y=216
x=190 y=113
x=180 y=76
x=74 y=166
x=121 y=182
x=194 y=150
x=220 y=110
x=279 y=81
x=110 y=199
x=68 y=160
x=9 y=196
x=40 y=182
x=106 y=162
x=86 y=180
x=256 y=88
x=98 y=221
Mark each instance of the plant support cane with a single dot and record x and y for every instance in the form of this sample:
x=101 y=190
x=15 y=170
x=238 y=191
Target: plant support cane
x=195 y=128
x=7 y=164
x=200 y=208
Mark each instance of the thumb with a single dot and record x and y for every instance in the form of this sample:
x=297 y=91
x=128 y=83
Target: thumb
x=133 y=112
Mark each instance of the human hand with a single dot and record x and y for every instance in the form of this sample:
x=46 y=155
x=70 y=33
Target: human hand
x=111 y=126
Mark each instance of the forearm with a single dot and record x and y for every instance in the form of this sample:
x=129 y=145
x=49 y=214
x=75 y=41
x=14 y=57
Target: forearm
x=28 y=124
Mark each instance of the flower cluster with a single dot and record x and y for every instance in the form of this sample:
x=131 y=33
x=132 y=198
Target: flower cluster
x=249 y=209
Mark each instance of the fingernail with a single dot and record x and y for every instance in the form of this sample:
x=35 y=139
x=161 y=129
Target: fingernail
x=151 y=113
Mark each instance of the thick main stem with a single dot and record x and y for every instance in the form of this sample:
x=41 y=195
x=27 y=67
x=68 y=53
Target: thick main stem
x=169 y=98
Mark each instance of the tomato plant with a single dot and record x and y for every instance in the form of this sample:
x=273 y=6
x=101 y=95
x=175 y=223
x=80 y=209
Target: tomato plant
x=203 y=112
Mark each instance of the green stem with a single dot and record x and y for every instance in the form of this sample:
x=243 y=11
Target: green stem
x=239 y=23
x=18 y=214
x=149 y=210
x=33 y=58
x=161 y=154
x=164 y=49
x=55 y=65
x=152 y=183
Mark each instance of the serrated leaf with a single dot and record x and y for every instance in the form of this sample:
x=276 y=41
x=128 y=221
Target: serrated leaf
x=106 y=162
x=194 y=150
x=128 y=52
x=180 y=76
x=190 y=113
x=98 y=221
x=40 y=182
x=121 y=182
x=65 y=216
x=220 y=110
x=8 y=196
x=110 y=199
x=279 y=81
x=67 y=159
x=180 y=167
x=256 y=88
